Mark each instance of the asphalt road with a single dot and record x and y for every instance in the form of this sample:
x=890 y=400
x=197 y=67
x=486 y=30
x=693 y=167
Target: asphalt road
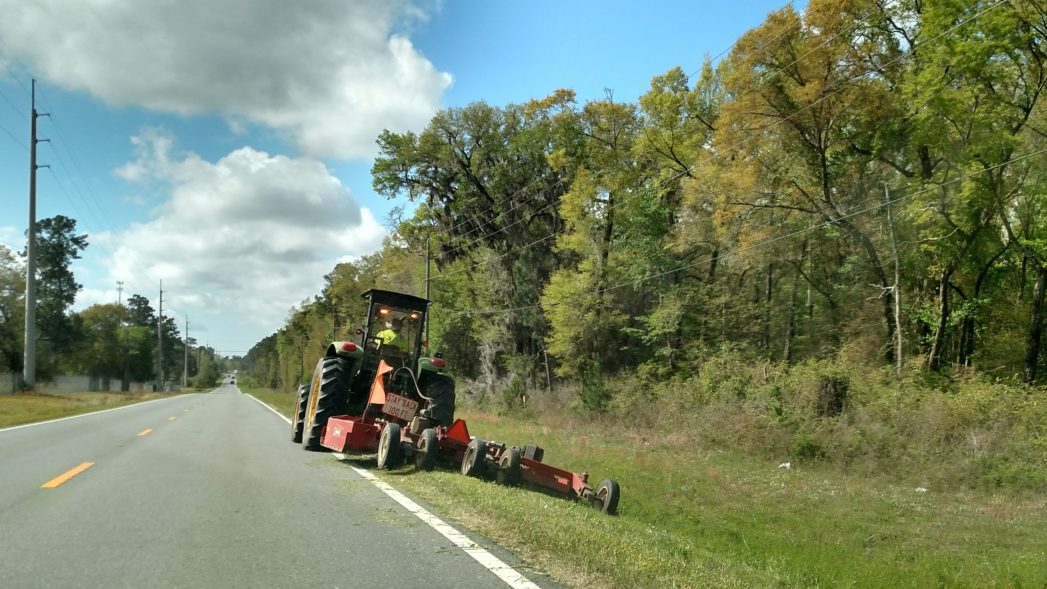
x=214 y=494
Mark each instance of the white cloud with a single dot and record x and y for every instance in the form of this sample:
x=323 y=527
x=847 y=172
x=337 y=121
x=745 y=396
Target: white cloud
x=10 y=236
x=243 y=239
x=332 y=74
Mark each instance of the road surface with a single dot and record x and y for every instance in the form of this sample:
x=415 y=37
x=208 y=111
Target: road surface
x=206 y=490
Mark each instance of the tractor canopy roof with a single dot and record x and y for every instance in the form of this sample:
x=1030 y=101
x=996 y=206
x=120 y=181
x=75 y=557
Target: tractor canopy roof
x=396 y=299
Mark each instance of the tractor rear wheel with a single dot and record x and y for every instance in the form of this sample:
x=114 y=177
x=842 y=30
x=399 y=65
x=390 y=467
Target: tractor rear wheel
x=509 y=467
x=427 y=451
x=328 y=392
x=440 y=390
x=475 y=454
x=299 y=413
x=389 y=451
x=606 y=497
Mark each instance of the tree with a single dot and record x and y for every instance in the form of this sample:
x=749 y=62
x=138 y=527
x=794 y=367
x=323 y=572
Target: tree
x=104 y=344
x=140 y=338
x=806 y=92
x=488 y=196
x=974 y=92
x=12 y=308
x=57 y=246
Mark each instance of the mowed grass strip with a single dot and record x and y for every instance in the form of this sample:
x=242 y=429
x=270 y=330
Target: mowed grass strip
x=282 y=401
x=22 y=408
x=693 y=517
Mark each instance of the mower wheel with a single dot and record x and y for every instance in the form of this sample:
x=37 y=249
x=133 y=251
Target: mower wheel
x=389 y=451
x=509 y=467
x=606 y=497
x=427 y=450
x=298 y=417
x=328 y=392
x=475 y=454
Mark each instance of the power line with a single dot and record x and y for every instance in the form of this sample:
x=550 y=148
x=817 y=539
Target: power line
x=735 y=146
x=739 y=144
x=14 y=106
x=560 y=181
x=7 y=51
x=87 y=196
x=14 y=138
x=686 y=171
x=766 y=242
x=739 y=39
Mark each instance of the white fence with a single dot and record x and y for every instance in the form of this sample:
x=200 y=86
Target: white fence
x=9 y=382
x=76 y=383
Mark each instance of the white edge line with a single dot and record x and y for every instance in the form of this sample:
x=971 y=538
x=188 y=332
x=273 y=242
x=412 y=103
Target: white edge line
x=14 y=427
x=269 y=407
x=511 y=576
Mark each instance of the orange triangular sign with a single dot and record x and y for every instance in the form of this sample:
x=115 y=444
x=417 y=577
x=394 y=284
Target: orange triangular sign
x=377 y=388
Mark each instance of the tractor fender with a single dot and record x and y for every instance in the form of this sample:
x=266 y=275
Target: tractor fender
x=434 y=365
x=347 y=350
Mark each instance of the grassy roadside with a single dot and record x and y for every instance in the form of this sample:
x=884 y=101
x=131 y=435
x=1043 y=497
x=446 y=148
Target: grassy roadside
x=282 y=401
x=25 y=408
x=693 y=517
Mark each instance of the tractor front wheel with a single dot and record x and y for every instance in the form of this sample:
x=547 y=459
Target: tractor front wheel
x=475 y=454
x=298 y=417
x=606 y=497
x=427 y=450
x=389 y=451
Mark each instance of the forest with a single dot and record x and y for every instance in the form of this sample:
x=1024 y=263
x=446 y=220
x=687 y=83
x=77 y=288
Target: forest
x=863 y=180
x=850 y=199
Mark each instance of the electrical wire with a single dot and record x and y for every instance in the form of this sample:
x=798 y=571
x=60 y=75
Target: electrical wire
x=17 y=141
x=686 y=171
x=536 y=181
x=780 y=121
x=764 y=243
x=87 y=196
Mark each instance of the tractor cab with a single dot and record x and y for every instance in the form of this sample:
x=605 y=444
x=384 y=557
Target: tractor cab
x=393 y=333
x=390 y=350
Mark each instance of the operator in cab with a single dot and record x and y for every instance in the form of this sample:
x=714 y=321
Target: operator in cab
x=390 y=336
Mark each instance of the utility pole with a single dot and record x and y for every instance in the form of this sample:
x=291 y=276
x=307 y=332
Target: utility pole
x=160 y=341
x=120 y=292
x=334 y=323
x=427 y=289
x=185 y=361
x=29 y=365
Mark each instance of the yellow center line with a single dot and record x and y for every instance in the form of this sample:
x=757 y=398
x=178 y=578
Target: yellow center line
x=51 y=484
x=144 y=432
x=172 y=418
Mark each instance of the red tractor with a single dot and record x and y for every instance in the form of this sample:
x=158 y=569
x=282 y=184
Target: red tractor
x=380 y=395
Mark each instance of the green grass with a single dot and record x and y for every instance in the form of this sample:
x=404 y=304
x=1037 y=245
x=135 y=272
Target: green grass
x=282 y=401
x=24 y=408
x=692 y=517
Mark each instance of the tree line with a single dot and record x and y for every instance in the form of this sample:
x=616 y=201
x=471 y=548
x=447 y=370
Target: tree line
x=861 y=180
x=115 y=341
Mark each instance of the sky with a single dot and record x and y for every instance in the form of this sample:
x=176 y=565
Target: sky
x=222 y=148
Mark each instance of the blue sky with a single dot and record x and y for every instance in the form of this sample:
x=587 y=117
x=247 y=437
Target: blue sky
x=224 y=146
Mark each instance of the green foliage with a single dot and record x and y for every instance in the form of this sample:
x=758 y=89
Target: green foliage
x=105 y=344
x=209 y=373
x=12 y=309
x=733 y=245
